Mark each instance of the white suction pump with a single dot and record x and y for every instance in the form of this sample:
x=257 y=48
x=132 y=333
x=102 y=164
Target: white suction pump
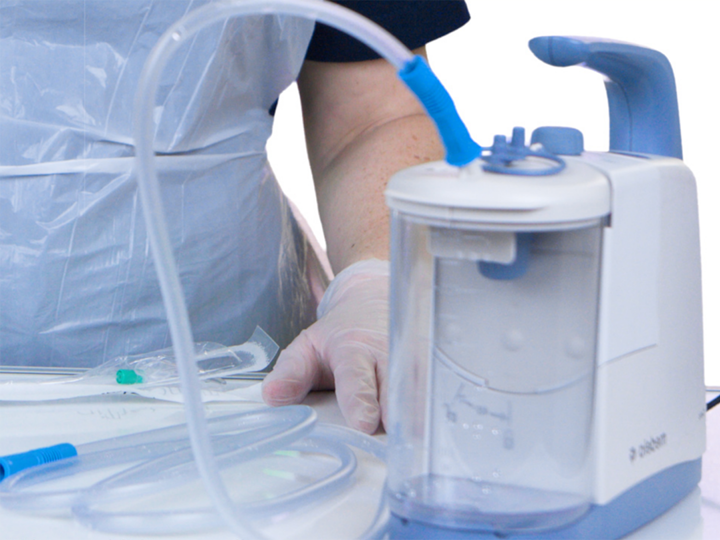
x=525 y=293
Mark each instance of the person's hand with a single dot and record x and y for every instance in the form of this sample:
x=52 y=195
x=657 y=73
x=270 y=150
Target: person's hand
x=346 y=349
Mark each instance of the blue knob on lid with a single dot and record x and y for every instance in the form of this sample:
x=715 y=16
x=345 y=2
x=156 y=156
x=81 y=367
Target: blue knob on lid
x=518 y=137
x=563 y=141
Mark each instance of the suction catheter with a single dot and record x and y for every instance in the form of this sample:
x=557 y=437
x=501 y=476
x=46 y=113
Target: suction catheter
x=161 y=459
x=166 y=454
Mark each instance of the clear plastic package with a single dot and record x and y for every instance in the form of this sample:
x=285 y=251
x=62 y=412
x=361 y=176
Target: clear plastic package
x=159 y=368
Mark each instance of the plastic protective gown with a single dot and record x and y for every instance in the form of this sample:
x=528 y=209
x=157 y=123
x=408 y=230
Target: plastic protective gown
x=77 y=281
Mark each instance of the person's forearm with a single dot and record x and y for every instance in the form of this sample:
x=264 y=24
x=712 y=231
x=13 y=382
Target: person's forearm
x=351 y=188
x=362 y=125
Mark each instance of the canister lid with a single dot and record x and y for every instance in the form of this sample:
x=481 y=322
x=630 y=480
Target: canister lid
x=438 y=191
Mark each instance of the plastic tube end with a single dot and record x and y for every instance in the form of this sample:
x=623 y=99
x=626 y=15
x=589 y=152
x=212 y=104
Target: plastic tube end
x=18 y=462
x=460 y=147
x=128 y=376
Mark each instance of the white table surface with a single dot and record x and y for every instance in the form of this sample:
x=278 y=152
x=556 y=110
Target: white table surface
x=30 y=425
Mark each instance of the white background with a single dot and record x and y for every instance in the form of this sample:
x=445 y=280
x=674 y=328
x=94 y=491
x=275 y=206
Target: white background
x=498 y=84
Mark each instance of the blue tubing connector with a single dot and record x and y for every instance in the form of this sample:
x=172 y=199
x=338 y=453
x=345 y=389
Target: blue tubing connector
x=17 y=462
x=460 y=147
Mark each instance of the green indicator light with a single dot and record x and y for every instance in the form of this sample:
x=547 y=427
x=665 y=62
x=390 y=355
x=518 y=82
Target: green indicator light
x=285 y=475
x=128 y=376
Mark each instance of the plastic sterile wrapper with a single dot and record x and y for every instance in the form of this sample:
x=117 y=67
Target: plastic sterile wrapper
x=224 y=372
x=158 y=368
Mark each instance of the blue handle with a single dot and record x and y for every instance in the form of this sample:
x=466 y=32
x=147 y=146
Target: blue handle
x=641 y=90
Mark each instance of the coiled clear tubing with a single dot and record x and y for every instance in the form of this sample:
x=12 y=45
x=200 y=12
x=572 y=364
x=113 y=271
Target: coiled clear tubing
x=166 y=458
x=160 y=460
x=369 y=33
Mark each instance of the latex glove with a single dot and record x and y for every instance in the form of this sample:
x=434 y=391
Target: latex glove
x=346 y=349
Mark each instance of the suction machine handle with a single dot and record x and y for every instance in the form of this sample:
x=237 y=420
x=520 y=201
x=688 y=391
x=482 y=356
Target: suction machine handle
x=640 y=87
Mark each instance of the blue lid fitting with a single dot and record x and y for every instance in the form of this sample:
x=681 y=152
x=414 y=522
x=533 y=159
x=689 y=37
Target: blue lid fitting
x=460 y=147
x=501 y=156
x=516 y=269
x=17 y=462
x=563 y=141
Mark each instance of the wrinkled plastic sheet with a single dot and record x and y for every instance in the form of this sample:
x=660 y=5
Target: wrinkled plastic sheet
x=77 y=281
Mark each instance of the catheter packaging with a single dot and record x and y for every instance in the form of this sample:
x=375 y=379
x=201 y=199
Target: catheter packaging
x=77 y=282
x=159 y=368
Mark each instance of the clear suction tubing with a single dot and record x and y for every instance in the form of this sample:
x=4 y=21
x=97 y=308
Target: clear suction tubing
x=156 y=461
x=158 y=235
x=230 y=440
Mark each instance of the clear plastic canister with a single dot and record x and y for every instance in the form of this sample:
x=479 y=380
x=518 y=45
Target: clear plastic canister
x=492 y=362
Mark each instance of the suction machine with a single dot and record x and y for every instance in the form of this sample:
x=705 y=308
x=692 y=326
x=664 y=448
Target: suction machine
x=546 y=370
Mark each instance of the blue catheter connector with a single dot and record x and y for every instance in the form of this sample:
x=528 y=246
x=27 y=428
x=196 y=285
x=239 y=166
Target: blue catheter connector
x=17 y=462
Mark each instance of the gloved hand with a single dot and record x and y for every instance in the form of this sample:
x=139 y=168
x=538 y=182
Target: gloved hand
x=346 y=349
